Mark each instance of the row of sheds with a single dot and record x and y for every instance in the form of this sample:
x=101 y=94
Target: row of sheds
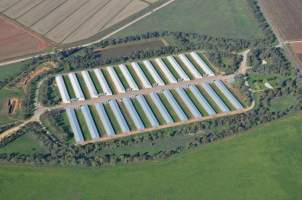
x=174 y=103
x=133 y=85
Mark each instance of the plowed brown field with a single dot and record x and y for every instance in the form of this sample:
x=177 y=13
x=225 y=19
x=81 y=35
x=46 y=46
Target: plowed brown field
x=285 y=17
x=15 y=41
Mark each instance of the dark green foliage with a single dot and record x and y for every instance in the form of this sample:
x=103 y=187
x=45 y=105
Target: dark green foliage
x=48 y=93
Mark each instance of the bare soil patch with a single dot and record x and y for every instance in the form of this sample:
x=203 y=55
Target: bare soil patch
x=15 y=41
x=40 y=70
x=296 y=47
x=12 y=105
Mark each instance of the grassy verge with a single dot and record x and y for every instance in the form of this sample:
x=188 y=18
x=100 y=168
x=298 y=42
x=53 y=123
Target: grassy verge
x=83 y=125
x=122 y=77
x=197 y=104
x=83 y=85
x=12 y=70
x=58 y=125
x=182 y=104
x=69 y=87
x=169 y=107
x=199 y=69
x=97 y=121
x=209 y=99
x=112 y=118
x=109 y=81
x=141 y=113
x=146 y=72
x=127 y=116
x=206 y=60
x=27 y=144
x=135 y=77
x=184 y=67
x=155 y=110
x=171 y=68
x=162 y=75
x=95 y=82
x=223 y=97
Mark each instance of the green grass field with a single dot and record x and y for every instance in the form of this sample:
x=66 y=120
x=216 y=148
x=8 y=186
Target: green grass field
x=26 y=143
x=5 y=94
x=282 y=103
x=11 y=70
x=228 y=18
x=262 y=164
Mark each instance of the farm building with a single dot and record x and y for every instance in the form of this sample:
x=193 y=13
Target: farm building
x=132 y=104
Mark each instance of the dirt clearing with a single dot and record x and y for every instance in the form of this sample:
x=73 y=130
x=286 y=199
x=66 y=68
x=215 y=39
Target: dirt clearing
x=40 y=70
x=15 y=41
x=13 y=105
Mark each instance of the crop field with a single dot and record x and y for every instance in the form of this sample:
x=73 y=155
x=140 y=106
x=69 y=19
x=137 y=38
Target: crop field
x=220 y=18
x=68 y=21
x=272 y=152
x=144 y=96
x=16 y=41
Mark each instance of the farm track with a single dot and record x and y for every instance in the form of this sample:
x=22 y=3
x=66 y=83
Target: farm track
x=244 y=66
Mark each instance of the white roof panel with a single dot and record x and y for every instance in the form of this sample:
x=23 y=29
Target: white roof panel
x=62 y=89
x=190 y=66
x=146 y=108
x=75 y=127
